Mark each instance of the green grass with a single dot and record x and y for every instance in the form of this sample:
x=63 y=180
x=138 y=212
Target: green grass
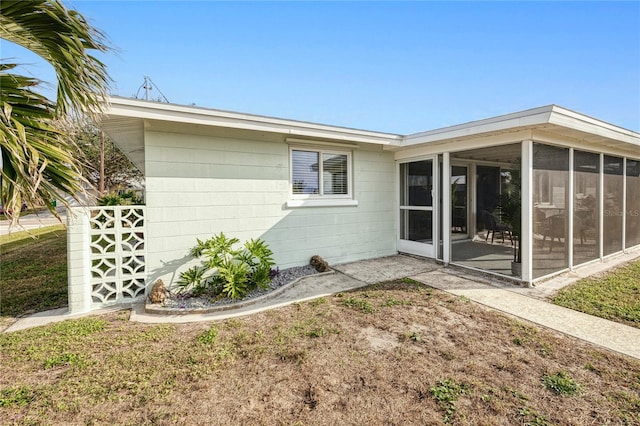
x=26 y=212
x=560 y=383
x=33 y=271
x=615 y=296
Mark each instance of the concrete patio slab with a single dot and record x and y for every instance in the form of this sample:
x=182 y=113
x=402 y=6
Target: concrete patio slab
x=388 y=268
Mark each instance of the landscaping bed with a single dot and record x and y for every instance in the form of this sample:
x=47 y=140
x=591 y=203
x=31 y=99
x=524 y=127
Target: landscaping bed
x=187 y=303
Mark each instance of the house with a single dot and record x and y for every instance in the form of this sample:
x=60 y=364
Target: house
x=349 y=194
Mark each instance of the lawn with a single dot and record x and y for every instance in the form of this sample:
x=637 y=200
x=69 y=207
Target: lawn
x=614 y=296
x=33 y=271
x=396 y=353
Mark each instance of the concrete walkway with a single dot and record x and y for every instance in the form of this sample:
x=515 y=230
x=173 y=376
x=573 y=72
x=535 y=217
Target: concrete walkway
x=516 y=301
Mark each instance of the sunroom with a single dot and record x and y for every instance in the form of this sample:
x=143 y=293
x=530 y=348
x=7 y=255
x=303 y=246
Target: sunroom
x=525 y=196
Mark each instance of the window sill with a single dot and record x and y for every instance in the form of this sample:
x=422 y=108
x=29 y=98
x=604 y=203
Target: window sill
x=294 y=204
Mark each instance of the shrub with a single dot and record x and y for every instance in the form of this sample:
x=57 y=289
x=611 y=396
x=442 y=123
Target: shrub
x=120 y=198
x=226 y=270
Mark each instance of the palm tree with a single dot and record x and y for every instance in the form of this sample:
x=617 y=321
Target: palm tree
x=36 y=160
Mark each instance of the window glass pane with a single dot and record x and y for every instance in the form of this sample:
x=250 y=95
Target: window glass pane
x=550 y=200
x=586 y=214
x=304 y=166
x=416 y=225
x=459 y=200
x=633 y=203
x=416 y=183
x=612 y=226
x=334 y=174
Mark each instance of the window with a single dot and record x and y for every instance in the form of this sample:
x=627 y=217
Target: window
x=320 y=174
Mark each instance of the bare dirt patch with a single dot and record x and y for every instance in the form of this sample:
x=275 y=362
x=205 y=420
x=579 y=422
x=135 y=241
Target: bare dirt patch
x=414 y=355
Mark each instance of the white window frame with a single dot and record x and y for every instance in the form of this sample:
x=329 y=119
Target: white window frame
x=321 y=199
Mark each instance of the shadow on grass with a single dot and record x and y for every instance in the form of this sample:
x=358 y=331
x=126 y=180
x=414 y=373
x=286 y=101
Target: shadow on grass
x=33 y=273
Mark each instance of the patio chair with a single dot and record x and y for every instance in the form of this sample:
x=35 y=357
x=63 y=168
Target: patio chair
x=554 y=227
x=493 y=225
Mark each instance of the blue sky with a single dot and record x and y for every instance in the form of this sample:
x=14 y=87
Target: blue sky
x=399 y=67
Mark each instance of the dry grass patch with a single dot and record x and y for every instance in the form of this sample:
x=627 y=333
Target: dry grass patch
x=423 y=358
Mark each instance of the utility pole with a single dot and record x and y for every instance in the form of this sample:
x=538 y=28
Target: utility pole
x=147 y=87
x=101 y=181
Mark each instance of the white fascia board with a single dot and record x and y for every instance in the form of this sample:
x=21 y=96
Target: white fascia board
x=573 y=120
x=217 y=118
x=509 y=122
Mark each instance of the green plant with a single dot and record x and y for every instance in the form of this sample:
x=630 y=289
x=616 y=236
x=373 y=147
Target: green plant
x=226 y=269
x=532 y=418
x=120 y=198
x=393 y=302
x=63 y=359
x=38 y=159
x=319 y=301
x=20 y=397
x=209 y=336
x=358 y=304
x=446 y=392
x=413 y=336
x=560 y=383
x=511 y=207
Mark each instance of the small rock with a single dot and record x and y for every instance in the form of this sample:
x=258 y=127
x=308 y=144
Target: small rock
x=158 y=292
x=319 y=263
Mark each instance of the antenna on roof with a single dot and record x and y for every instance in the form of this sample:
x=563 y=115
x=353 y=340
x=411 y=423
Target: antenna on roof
x=148 y=86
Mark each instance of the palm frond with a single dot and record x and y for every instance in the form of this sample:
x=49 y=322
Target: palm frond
x=36 y=158
x=65 y=39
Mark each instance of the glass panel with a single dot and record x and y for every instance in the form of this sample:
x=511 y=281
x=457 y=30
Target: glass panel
x=416 y=225
x=586 y=177
x=304 y=174
x=550 y=199
x=334 y=174
x=459 y=200
x=487 y=193
x=416 y=183
x=633 y=203
x=612 y=226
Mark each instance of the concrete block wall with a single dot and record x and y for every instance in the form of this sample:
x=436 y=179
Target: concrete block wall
x=198 y=186
x=79 y=260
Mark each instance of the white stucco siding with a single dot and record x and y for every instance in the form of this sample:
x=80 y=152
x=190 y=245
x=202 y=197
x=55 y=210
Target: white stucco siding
x=198 y=186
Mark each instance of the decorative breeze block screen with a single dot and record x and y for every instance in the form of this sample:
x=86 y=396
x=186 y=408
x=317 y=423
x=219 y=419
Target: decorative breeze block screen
x=118 y=270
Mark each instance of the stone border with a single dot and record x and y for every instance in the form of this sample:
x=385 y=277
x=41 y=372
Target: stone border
x=154 y=309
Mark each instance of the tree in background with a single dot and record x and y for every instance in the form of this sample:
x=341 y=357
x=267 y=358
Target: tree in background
x=36 y=157
x=105 y=166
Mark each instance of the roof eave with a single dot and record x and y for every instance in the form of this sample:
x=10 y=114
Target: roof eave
x=146 y=110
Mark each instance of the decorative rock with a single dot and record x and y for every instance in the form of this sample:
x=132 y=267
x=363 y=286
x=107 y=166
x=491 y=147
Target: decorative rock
x=319 y=263
x=158 y=292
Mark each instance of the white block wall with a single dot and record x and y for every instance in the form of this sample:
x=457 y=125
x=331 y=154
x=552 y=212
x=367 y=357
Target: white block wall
x=198 y=186
x=78 y=260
